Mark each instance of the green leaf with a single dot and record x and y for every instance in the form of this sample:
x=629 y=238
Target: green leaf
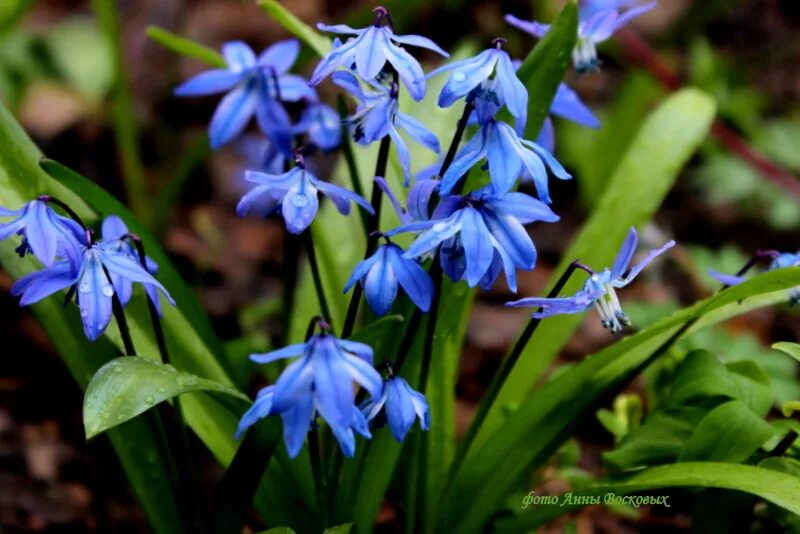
x=339 y=529
x=135 y=445
x=778 y=488
x=792 y=349
x=378 y=330
x=317 y=42
x=185 y=47
x=533 y=432
x=544 y=68
x=82 y=56
x=128 y=386
x=663 y=145
x=277 y=530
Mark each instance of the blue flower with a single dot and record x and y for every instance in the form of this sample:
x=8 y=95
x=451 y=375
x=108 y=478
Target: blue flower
x=480 y=235
x=401 y=406
x=600 y=289
x=294 y=193
x=508 y=155
x=94 y=289
x=259 y=153
x=377 y=116
x=44 y=232
x=566 y=104
x=381 y=273
x=779 y=261
x=255 y=86
x=472 y=72
x=369 y=51
x=320 y=380
x=596 y=25
x=117 y=239
x=322 y=125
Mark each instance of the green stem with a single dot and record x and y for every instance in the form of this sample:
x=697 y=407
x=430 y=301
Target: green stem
x=317 y=276
x=430 y=332
x=315 y=453
x=505 y=370
x=123 y=110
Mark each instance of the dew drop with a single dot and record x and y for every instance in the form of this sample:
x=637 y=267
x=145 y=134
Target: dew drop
x=300 y=201
x=439 y=227
x=162 y=389
x=108 y=290
x=150 y=400
x=187 y=381
x=459 y=76
x=85 y=286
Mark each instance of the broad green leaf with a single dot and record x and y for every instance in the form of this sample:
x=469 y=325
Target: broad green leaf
x=776 y=487
x=544 y=68
x=186 y=47
x=535 y=430
x=339 y=529
x=320 y=44
x=127 y=386
x=379 y=330
x=792 y=349
x=646 y=173
x=277 y=530
x=136 y=447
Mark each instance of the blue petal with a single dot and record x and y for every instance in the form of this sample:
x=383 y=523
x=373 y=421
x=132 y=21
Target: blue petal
x=41 y=284
x=341 y=29
x=299 y=207
x=524 y=207
x=370 y=57
x=467 y=76
x=568 y=105
x=477 y=247
x=361 y=270
x=547 y=135
x=402 y=154
x=419 y=197
x=113 y=228
x=296 y=424
x=727 y=279
x=514 y=92
x=94 y=298
x=294 y=88
x=631 y=14
x=262 y=200
x=625 y=254
x=412 y=278
x=361 y=350
x=209 y=82
x=294 y=384
x=344 y=56
x=408 y=68
x=513 y=239
x=274 y=121
x=502 y=151
x=399 y=408
x=431 y=239
x=419 y=41
x=537 y=29
x=469 y=155
x=130 y=269
x=260 y=409
x=653 y=254
x=365 y=375
x=418 y=131
x=290 y=351
x=384 y=186
x=238 y=56
x=342 y=197
x=232 y=115
x=280 y=56
x=380 y=285
x=347 y=81
x=333 y=388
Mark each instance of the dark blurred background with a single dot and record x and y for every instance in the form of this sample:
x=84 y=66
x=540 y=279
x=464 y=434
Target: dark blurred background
x=56 y=73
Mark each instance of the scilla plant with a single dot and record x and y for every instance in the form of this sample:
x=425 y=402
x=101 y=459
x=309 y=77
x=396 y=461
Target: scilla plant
x=359 y=408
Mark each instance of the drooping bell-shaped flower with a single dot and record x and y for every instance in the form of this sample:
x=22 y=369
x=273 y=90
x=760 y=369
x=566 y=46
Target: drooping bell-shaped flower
x=384 y=271
x=255 y=86
x=371 y=48
x=780 y=260
x=294 y=194
x=399 y=405
x=377 y=116
x=597 y=24
x=44 y=232
x=480 y=235
x=322 y=125
x=92 y=282
x=320 y=381
x=600 y=289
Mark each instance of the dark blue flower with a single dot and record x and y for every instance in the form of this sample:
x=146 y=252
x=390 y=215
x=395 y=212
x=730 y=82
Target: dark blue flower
x=320 y=380
x=473 y=72
x=117 y=239
x=779 y=261
x=94 y=288
x=381 y=273
x=600 y=289
x=401 y=406
x=44 y=232
x=322 y=125
x=480 y=235
x=597 y=24
x=294 y=193
x=508 y=156
x=369 y=51
x=377 y=116
x=255 y=86
x=566 y=104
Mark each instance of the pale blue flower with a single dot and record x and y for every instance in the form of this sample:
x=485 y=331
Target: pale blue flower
x=494 y=66
x=94 y=288
x=322 y=125
x=319 y=381
x=480 y=235
x=294 y=193
x=384 y=271
x=401 y=406
x=600 y=289
x=779 y=261
x=596 y=26
x=255 y=86
x=369 y=51
x=377 y=116
x=44 y=232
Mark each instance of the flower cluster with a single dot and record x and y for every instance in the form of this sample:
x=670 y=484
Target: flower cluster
x=95 y=272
